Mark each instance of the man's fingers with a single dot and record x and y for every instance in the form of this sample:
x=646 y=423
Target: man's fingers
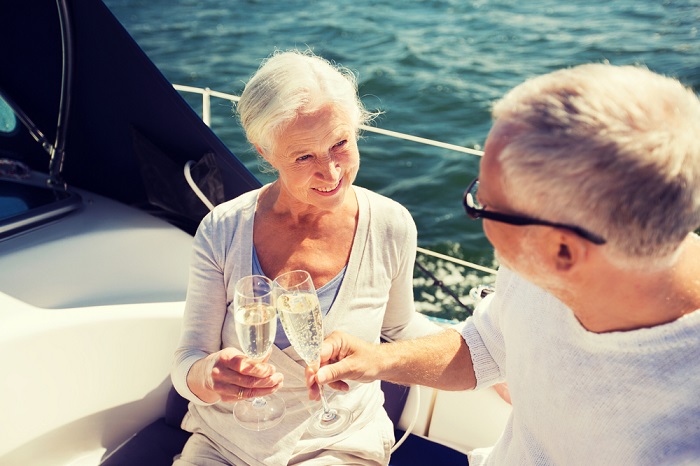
x=330 y=348
x=340 y=386
x=333 y=373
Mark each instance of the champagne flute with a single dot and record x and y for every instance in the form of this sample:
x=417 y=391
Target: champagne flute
x=256 y=325
x=300 y=312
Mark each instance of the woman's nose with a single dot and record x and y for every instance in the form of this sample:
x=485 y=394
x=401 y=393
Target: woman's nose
x=330 y=169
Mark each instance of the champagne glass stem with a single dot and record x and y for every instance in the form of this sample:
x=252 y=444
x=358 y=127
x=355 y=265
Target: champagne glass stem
x=328 y=413
x=259 y=402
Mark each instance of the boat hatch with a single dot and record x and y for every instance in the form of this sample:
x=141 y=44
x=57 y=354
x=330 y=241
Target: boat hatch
x=27 y=198
x=25 y=205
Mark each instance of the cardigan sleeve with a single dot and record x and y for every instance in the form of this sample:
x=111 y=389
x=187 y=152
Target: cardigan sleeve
x=205 y=307
x=401 y=320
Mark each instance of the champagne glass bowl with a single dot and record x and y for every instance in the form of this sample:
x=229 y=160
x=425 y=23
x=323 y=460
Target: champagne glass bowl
x=255 y=319
x=300 y=313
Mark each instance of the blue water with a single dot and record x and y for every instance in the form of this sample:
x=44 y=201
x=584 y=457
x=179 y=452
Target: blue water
x=433 y=67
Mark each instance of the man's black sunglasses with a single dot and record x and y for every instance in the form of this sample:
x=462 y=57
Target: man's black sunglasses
x=474 y=211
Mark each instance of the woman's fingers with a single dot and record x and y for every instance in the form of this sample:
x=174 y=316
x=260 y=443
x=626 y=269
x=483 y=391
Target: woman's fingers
x=236 y=393
x=235 y=377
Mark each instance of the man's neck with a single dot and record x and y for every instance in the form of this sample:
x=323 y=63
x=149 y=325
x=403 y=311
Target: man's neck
x=616 y=299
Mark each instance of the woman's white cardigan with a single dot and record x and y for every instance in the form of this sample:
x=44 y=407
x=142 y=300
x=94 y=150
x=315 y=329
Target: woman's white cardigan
x=375 y=300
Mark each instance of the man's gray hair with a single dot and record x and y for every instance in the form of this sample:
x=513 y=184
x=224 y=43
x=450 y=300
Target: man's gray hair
x=615 y=150
x=291 y=83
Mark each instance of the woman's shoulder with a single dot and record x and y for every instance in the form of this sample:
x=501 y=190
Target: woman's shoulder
x=236 y=206
x=230 y=213
x=385 y=215
x=380 y=203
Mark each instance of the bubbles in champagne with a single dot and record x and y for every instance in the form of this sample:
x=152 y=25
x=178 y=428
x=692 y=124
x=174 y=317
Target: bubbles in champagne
x=256 y=326
x=300 y=314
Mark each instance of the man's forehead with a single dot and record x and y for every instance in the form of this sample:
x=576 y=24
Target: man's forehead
x=491 y=180
x=502 y=133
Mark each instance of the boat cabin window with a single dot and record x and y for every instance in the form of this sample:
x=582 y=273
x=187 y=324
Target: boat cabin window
x=24 y=206
x=8 y=120
x=26 y=201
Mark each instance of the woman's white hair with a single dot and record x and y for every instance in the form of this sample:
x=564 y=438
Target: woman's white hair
x=615 y=150
x=291 y=83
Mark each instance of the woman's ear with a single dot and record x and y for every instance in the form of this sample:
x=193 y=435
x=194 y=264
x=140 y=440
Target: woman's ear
x=265 y=155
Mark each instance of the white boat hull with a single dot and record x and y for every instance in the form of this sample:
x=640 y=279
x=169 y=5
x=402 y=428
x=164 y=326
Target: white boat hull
x=90 y=313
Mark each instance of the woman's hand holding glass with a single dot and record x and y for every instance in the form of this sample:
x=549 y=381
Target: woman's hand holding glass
x=256 y=326
x=233 y=376
x=229 y=376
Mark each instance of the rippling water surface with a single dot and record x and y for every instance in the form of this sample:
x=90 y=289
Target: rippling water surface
x=433 y=67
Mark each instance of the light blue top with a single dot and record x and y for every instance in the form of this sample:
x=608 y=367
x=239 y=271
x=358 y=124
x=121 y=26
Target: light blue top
x=326 y=296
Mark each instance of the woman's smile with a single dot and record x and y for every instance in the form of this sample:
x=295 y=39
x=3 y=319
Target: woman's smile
x=317 y=160
x=329 y=190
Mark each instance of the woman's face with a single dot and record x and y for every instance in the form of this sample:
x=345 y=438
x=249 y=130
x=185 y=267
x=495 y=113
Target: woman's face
x=317 y=159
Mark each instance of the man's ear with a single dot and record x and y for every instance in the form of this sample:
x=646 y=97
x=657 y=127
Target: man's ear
x=564 y=259
x=568 y=251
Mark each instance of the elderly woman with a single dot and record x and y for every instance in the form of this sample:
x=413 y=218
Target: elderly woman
x=303 y=116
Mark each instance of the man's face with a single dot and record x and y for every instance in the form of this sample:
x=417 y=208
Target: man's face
x=530 y=250
x=506 y=239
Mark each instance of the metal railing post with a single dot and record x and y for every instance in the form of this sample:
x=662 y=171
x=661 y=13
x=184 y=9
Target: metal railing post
x=207 y=94
x=206 y=106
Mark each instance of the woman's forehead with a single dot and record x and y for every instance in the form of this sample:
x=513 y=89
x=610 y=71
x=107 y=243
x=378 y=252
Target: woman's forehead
x=314 y=128
x=309 y=120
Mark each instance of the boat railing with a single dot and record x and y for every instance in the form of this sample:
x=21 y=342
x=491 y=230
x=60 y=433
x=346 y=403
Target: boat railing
x=208 y=93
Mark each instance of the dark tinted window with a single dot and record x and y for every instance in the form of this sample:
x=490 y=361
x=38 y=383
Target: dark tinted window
x=23 y=206
x=8 y=120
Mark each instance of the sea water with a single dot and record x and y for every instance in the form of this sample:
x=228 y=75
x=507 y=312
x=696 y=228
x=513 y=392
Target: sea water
x=432 y=67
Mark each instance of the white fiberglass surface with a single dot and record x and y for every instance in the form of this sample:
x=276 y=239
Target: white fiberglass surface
x=81 y=380
x=105 y=254
x=90 y=314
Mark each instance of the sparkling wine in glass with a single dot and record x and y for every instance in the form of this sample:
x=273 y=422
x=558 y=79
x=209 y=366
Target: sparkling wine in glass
x=255 y=318
x=300 y=313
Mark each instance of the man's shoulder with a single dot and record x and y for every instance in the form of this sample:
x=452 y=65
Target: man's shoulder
x=510 y=283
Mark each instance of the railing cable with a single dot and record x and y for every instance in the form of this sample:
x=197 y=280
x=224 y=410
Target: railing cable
x=207 y=94
x=437 y=282
x=464 y=263
x=430 y=142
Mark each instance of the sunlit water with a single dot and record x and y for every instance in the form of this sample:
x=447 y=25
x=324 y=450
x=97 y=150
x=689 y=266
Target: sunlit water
x=433 y=67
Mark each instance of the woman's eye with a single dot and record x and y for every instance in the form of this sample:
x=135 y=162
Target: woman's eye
x=303 y=157
x=340 y=144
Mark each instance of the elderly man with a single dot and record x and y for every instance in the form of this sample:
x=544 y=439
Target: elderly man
x=589 y=190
